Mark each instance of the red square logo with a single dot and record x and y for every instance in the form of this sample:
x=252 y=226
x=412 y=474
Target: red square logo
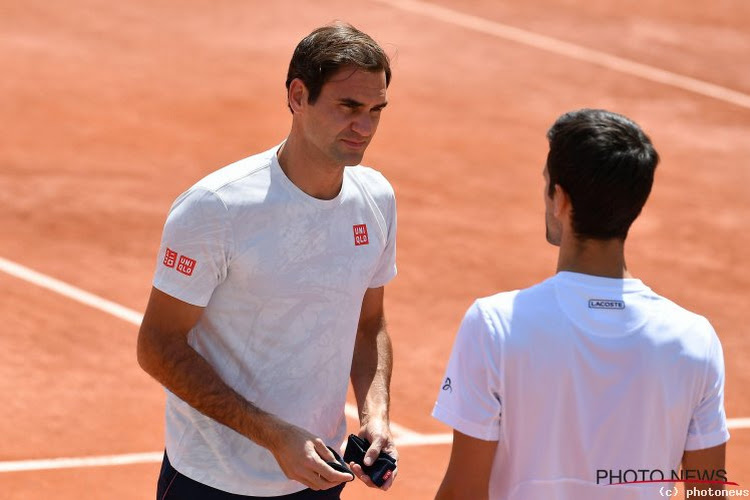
x=360 y=234
x=186 y=265
x=170 y=258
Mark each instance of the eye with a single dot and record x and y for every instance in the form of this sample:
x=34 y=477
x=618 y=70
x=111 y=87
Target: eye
x=378 y=109
x=350 y=108
x=350 y=103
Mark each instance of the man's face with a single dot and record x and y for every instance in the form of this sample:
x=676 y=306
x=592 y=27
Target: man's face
x=344 y=118
x=552 y=224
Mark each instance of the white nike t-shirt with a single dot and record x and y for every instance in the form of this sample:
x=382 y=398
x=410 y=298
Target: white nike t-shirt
x=282 y=276
x=580 y=374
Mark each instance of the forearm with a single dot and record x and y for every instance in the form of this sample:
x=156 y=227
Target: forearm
x=460 y=492
x=469 y=469
x=185 y=373
x=449 y=491
x=708 y=462
x=372 y=365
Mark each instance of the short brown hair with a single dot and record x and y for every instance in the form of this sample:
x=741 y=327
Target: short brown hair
x=329 y=48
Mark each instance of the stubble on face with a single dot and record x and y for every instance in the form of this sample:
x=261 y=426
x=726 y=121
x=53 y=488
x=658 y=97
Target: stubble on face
x=345 y=116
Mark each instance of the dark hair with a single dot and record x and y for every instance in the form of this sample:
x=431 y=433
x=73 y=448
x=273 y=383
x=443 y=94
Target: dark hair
x=606 y=164
x=327 y=49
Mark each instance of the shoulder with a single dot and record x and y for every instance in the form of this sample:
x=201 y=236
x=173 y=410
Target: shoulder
x=692 y=330
x=197 y=202
x=255 y=168
x=676 y=312
x=239 y=184
x=215 y=193
x=370 y=180
x=491 y=315
x=499 y=309
x=500 y=304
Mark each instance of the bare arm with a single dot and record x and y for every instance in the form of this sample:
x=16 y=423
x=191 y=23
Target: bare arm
x=372 y=364
x=468 y=474
x=706 y=461
x=164 y=353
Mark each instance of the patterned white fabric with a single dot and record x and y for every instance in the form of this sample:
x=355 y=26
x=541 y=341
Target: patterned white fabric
x=281 y=276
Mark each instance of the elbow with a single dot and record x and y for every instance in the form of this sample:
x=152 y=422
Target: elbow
x=146 y=352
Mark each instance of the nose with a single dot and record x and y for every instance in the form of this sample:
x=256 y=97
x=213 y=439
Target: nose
x=364 y=125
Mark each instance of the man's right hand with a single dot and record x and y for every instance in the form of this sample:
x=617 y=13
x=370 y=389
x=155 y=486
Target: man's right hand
x=164 y=353
x=303 y=456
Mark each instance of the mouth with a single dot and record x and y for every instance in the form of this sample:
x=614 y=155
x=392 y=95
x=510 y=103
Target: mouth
x=354 y=144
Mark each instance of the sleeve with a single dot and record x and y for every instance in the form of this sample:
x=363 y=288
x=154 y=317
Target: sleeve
x=470 y=397
x=195 y=248
x=708 y=425
x=386 y=271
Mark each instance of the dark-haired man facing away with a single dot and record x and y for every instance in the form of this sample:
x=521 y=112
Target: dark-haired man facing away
x=558 y=390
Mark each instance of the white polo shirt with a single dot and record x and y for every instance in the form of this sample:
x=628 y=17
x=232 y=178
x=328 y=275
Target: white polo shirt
x=282 y=276
x=580 y=374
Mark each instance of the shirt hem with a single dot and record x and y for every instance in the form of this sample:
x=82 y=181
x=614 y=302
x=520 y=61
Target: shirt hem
x=707 y=440
x=173 y=291
x=464 y=426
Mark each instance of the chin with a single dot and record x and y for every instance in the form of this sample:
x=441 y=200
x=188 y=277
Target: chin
x=350 y=160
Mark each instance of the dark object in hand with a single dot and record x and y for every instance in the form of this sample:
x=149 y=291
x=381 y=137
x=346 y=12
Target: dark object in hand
x=339 y=465
x=380 y=470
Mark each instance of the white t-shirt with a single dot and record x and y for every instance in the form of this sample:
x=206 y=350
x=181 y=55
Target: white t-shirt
x=580 y=374
x=282 y=276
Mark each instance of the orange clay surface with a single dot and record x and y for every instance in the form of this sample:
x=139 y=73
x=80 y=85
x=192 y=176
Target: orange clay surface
x=110 y=109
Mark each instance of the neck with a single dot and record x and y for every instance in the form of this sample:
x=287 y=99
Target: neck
x=604 y=258
x=309 y=171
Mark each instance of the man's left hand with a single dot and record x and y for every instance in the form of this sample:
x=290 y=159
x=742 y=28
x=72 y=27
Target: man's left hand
x=378 y=433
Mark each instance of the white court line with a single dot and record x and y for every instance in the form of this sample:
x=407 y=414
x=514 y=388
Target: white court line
x=72 y=463
x=155 y=457
x=412 y=439
x=82 y=296
x=571 y=50
x=738 y=423
x=401 y=434
x=404 y=437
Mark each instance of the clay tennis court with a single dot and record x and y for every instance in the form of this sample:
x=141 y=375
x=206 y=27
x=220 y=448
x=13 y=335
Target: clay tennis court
x=110 y=110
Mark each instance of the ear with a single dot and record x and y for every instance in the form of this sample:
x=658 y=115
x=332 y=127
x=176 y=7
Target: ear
x=560 y=202
x=297 y=95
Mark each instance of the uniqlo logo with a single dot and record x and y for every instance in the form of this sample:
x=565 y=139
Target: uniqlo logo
x=360 y=234
x=186 y=265
x=170 y=258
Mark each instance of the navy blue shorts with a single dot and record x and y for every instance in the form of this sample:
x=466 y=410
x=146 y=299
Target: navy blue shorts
x=175 y=486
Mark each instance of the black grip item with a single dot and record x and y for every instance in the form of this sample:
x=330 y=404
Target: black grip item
x=339 y=465
x=380 y=470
